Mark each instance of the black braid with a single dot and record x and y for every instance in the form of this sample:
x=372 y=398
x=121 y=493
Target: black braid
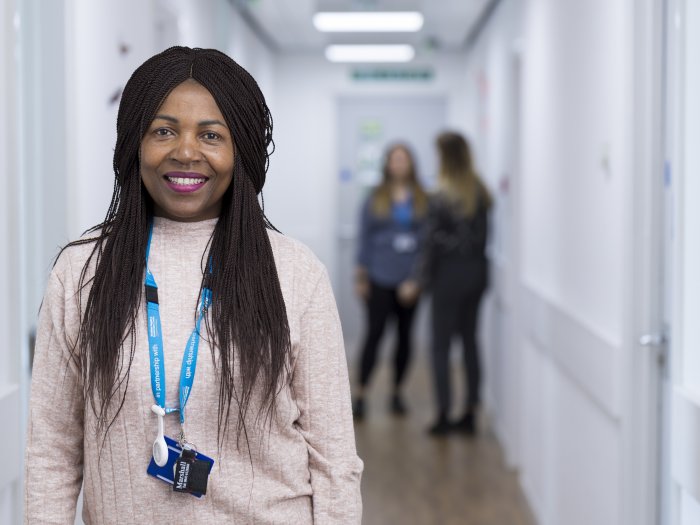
x=247 y=324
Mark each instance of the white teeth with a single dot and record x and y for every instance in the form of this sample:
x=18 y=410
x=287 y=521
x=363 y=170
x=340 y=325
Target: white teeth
x=185 y=181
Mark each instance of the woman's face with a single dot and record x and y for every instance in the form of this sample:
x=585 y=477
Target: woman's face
x=187 y=155
x=399 y=165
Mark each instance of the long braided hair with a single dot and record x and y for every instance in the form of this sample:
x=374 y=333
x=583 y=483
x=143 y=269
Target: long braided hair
x=248 y=313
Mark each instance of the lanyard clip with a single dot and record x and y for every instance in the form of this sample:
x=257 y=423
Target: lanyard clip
x=181 y=437
x=182 y=441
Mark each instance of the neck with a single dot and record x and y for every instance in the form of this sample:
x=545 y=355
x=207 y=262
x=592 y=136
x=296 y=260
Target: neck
x=399 y=191
x=204 y=216
x=399 y=184
x=184 y=228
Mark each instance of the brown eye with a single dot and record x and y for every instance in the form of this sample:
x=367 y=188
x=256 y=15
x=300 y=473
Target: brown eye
x=210 y=135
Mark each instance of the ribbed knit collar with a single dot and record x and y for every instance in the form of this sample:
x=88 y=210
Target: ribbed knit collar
x=170 y=227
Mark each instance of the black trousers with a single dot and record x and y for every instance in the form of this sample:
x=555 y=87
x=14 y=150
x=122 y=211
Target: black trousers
x=455 y=310
x=382 y=304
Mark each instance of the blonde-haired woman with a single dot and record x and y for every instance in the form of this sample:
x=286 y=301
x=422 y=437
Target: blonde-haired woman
x=390 y=240
x=456 y=269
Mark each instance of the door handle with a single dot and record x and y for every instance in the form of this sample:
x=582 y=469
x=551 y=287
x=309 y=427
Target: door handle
x=657 y=339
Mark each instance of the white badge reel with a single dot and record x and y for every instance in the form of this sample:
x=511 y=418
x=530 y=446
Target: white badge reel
x=160 y=447
x=405 y=243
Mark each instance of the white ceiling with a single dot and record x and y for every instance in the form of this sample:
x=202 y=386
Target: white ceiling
x=287 y=23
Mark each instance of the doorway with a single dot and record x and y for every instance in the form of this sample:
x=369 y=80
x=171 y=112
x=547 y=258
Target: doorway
x=366 y=126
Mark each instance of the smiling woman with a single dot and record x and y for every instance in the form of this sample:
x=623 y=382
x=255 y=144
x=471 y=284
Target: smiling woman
x=186 y=258
x=187 y=155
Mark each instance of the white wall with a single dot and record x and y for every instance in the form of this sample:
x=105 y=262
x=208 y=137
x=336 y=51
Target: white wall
x=562 y=419
x=41 y=142
x=301 y=192
x=577 y=108
x=97 y=69
x=13 y=340
x=215 y=24
x=9 y=225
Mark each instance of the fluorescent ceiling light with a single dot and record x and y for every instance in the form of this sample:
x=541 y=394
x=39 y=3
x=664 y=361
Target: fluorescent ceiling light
x=370 y=53
x=362 y=22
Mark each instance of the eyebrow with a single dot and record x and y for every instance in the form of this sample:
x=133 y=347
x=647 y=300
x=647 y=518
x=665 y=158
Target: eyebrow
x=201 y=123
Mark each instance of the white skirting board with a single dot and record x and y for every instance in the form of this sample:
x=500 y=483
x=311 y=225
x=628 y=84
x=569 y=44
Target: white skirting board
x=685 y=451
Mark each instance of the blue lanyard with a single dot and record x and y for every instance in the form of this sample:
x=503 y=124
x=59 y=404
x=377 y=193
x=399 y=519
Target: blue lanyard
x=155 y=342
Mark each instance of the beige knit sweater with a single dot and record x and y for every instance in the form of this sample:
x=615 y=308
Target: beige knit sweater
x=305 y=470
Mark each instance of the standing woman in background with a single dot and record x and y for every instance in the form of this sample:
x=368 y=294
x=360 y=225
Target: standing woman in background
x=186 y=317
x=456 y=269
x=390 y=240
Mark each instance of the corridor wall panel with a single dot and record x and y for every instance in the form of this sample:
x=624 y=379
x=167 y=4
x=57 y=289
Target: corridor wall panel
x=538 y=434
x=563 y=265
x=576 y=157
x=105 y=42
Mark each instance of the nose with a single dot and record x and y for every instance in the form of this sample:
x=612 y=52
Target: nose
x=186 y=149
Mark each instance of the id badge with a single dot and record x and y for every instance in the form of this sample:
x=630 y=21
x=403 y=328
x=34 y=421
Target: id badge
x=405 y=243
x=166 y=473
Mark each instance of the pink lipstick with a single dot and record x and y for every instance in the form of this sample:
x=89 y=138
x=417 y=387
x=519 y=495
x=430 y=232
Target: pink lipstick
x=184 y=182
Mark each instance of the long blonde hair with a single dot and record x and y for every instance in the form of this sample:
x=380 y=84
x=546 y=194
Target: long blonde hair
x=458 y=180
x=381 y=197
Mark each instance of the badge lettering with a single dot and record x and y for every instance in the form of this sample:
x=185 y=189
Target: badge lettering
x=183 y=475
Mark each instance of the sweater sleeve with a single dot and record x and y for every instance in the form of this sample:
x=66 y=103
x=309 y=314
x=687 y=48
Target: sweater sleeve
x=54 y=451
x=322 y=388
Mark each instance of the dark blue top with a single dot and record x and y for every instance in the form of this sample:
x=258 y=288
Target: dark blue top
x=388 y=247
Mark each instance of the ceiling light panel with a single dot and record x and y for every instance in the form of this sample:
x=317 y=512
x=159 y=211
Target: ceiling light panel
x=370 y=53
x=368 y=22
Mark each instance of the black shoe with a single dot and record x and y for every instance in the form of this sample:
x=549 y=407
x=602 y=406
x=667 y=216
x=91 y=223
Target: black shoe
x=358 y=409
x=398 y=408
x=466 y=425
x=441 y=427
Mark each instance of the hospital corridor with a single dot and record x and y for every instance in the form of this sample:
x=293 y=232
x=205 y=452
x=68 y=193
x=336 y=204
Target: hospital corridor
x=495 y=195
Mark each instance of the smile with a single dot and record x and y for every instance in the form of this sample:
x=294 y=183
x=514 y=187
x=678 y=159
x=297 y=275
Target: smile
x=185 y=182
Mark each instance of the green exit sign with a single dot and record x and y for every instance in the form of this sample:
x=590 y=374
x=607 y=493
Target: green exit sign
x=393 y=75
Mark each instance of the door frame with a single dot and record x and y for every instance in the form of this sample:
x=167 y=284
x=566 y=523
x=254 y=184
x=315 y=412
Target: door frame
x=642 y=384
x=684 y=401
